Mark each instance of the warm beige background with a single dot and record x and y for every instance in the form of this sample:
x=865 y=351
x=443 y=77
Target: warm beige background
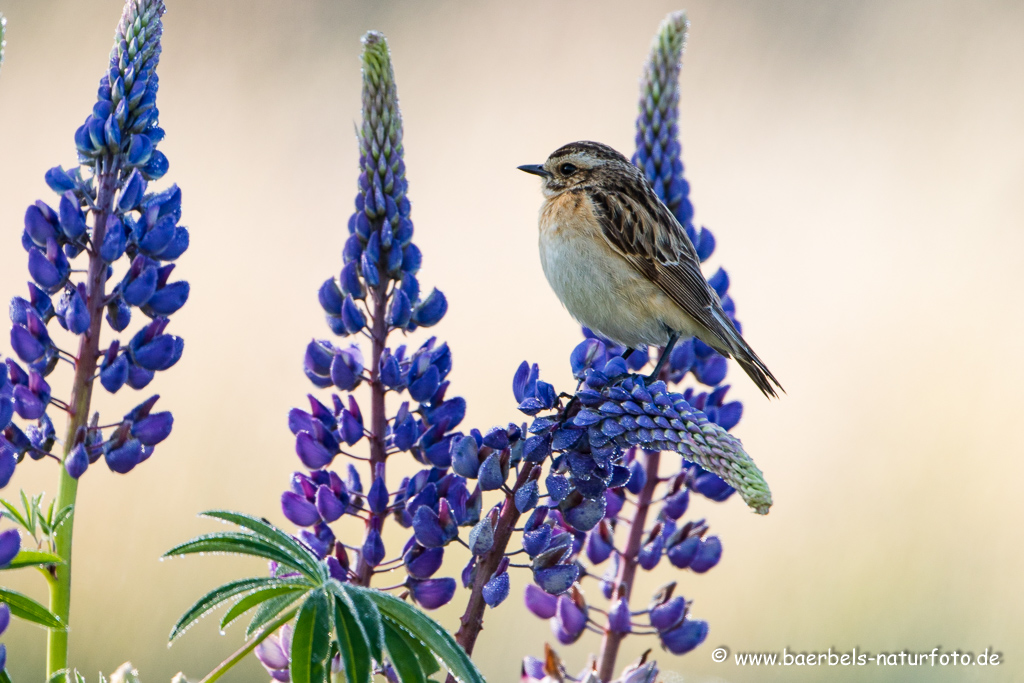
x=861 y=164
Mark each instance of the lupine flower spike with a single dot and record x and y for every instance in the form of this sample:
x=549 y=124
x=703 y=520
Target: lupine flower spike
x=106 y=218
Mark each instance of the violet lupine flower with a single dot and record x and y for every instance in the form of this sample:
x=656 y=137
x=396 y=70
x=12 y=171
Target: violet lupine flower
x=274 y=654
x=377 y=293
x=117 y=160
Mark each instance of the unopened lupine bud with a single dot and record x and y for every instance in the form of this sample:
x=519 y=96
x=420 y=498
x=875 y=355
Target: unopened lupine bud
x=619 y=617
x=496 y=589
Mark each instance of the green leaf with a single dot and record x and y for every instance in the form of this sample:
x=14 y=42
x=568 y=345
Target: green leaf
x=405 y=661
x=28 y=609
x=274 y=535
x=31 y=558
x=240 y=544
x=59 y=676
x=4 y=678
x=16 y=514
x=259 y=597
x=367 y=614
x=62 y=516
x=267 y=611
x=429 y=632
x=355 y=654
x=311 y=639
x=217 y=596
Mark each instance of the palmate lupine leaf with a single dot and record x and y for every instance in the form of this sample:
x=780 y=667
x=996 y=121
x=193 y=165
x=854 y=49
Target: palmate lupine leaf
x=28 y=609
x=361 y=625
x=219 y=596
x=426 y=630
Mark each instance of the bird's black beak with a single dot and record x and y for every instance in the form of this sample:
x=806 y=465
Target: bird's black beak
x=535 y=169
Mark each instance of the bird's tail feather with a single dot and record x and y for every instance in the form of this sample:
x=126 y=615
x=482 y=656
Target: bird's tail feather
x=738 y=348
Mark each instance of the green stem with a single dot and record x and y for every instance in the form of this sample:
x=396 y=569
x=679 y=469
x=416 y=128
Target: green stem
x=240 y=654
x=108 y=171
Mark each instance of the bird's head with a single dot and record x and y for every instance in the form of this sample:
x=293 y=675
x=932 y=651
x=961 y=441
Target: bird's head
x=578 y=164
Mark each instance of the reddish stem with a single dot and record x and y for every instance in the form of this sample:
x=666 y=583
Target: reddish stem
x=378 y=416
x=472 y=621
x=628 y=564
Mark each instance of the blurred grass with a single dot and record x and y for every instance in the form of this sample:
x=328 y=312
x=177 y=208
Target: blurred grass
x=860 y=164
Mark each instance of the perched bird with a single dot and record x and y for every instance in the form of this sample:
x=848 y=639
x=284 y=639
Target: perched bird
x=622 y=264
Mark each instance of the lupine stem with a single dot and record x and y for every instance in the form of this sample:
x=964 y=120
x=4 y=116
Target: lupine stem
x=81 y=399
x=627 y=567
x=472 y=621
x=378 y=416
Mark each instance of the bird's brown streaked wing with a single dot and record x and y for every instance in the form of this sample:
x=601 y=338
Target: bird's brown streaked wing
x=645 y=233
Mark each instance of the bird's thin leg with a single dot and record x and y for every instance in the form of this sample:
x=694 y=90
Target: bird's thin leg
x=672 y=339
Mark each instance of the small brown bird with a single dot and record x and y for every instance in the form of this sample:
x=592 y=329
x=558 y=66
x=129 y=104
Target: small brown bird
x=622 y=264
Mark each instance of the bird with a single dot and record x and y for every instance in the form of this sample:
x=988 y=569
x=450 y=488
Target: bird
x=621 y=263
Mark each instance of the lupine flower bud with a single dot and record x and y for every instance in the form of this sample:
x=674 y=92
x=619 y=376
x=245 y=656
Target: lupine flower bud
x=77 y=461
x=481 y=536
x=496 y=589
x=619 y=617
x=373 y=548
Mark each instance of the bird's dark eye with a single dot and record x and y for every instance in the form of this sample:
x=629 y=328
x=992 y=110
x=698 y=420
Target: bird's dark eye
x=567 y=169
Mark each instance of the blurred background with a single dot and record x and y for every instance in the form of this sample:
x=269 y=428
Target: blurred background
x=861 y=164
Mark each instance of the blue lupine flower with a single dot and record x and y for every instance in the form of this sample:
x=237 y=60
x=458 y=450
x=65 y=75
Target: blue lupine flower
x=118 y=160
x=377 y=293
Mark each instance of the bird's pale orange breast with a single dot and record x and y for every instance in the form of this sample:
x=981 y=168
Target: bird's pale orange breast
x=569 y=212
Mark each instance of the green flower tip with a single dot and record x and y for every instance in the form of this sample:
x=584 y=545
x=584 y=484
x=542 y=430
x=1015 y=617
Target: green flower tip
x=673 y=30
